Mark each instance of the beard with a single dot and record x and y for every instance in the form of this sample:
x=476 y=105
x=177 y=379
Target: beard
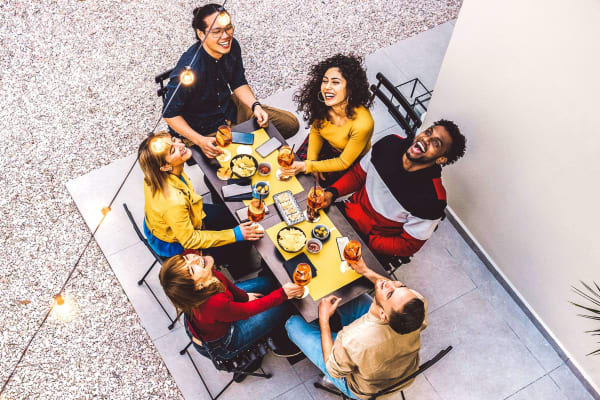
x=418 y=160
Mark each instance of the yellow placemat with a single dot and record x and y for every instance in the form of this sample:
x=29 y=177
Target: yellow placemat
x=277 y=186
x=327 y=261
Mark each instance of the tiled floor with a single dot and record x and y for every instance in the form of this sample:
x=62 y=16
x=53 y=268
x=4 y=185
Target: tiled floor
x=498 y=353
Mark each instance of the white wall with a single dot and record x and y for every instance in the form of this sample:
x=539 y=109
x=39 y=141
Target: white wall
x=522 y=80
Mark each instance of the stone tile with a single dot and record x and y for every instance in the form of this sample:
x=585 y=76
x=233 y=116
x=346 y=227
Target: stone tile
x=284 y=100
x=420 y=389
x=512 y=314
x=488 y=360
x=421 y=56
x=129 y=266
x=297 y=393
x=305 y=370
x=568 y=383
x=434 y=274
x=543 y=388
x=318 y=394
x=465 y=258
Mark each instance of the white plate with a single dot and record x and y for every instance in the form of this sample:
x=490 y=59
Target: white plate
x=244 y=149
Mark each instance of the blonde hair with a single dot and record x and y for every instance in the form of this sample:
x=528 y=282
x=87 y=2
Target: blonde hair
x=151 y=158
x=181 y=289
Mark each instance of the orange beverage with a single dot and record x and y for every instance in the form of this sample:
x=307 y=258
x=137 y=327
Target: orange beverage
x=224 y=136
x=352 y=251
x=314 y=202
x=302 y=274
x=286 y=156
x=256 y=210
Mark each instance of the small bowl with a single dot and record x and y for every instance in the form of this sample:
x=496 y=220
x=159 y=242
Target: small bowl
x=314 y=246
x=263 y=165
x=258 y=184
x=321 y=238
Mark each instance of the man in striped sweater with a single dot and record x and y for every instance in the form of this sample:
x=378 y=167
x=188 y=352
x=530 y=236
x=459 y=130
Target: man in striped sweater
x=398 y=195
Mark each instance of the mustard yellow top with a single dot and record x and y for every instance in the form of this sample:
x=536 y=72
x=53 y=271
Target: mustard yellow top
x=177 y=217
x=353 y=139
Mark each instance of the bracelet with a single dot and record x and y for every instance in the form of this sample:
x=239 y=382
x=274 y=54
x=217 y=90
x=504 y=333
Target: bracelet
x=256 y=103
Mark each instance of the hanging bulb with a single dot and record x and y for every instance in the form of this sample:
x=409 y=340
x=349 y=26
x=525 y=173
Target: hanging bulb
x=223 y=19
x=187 y=76
x=105 y=210
x=64 y=309
x=158 y=145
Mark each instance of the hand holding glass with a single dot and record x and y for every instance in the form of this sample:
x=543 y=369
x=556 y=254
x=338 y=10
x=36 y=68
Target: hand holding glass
x=352 y=253
x=302 y=276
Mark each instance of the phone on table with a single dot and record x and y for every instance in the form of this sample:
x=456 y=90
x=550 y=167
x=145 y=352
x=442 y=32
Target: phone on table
x=341 y=243
x=268 y=147
x=242 y=137
x=236 y=190
x=242 y=213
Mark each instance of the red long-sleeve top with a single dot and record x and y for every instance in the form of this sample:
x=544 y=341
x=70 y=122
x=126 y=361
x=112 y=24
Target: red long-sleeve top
x=214 y=317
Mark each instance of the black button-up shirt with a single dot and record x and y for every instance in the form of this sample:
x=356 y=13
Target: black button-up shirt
x=206 y=103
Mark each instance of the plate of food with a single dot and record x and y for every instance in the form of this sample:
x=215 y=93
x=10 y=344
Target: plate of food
x=243 y=165
x=291 y=239
x=224 y=156
x=224 y=173
x=288 y=207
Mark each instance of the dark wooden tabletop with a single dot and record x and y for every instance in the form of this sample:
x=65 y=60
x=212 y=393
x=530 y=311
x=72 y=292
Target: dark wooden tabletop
x=271 y=256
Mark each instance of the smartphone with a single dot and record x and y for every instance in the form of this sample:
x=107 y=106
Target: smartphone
x=242 y=137
x=242 y=213
x=341 y=243
x=268 y=147
x=235 y=190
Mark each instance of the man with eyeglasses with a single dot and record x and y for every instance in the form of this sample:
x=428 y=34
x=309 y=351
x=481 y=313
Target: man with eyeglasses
x=196 y=111
x=398 y=195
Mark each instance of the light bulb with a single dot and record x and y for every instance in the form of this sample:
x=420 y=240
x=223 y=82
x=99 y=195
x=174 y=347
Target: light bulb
x=64 y=309
x=105 y=210
x=187 y=76
x=158 y=145
x=223 y=19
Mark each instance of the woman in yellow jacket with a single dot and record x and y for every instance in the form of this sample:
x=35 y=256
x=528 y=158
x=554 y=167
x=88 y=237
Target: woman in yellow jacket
x=176 y=218
x=335 y=102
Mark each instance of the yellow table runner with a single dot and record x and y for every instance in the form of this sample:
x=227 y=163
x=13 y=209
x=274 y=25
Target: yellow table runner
x=277 y=186
x=327 y=261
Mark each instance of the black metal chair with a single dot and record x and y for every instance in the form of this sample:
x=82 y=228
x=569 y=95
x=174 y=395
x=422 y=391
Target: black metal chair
x=236 y=365
x=394 y=387
x=160 y=79
x=157 y=259
x=407 y=115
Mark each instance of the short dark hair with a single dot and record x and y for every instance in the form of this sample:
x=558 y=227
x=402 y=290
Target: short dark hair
x=200 y=13
x=459 y=142
x=410 y=318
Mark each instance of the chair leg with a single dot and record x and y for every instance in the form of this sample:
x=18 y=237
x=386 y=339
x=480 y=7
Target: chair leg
x=146 y=274
x=175 y=320
x=182 y=352
x=402 y=393
x=319 y=386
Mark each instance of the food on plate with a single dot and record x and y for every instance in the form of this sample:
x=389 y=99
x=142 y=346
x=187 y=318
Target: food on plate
x=321 y=232
x=243 y=166
x=262 y=189
x=224 y=156
x=224 y=173
x=264 y=169
x=291 y=239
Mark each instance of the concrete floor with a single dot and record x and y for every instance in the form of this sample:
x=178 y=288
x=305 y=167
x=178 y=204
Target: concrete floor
x=498 y=353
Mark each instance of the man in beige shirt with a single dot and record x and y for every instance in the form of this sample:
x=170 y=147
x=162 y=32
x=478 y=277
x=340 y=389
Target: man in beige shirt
x=379 y=344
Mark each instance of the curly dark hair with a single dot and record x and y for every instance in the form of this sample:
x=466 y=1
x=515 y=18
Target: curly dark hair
x=357 y=87
x=459 y=142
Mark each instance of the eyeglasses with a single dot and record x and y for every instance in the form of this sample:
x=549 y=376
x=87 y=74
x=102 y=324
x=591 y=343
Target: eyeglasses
x=218 y=32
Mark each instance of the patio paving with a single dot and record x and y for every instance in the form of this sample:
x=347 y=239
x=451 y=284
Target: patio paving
x=498 y=353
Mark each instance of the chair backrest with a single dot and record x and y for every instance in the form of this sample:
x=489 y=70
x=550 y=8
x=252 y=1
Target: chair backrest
x=409 y=120
x=140 y=235
x=160 y=78
x=421 y=369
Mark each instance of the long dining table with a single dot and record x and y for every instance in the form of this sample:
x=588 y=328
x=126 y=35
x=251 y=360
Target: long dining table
x=271 y=255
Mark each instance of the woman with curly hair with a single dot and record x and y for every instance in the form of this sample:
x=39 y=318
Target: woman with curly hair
x=335 y=103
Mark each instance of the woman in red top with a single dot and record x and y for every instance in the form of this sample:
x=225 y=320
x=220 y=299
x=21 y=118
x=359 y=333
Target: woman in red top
x=226 y=318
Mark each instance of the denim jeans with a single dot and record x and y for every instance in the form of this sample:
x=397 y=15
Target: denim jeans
x=244 y=333
x=307 y=336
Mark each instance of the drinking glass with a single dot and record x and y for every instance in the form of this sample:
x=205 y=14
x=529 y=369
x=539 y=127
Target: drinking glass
x=285 y=158
x=224 y=136
x=302 y=276
x=256 y=212
x=352 y=252
x=314 y=202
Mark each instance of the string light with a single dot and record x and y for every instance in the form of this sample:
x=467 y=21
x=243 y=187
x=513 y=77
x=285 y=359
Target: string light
x=158 y=145
x=223 y=19
x=64 y=308
x=187 y=76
